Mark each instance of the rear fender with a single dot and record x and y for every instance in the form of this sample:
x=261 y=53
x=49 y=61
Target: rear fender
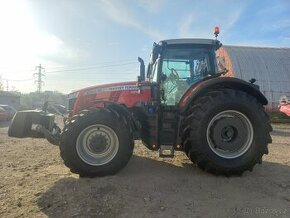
x=29 y=124
x=203 y=87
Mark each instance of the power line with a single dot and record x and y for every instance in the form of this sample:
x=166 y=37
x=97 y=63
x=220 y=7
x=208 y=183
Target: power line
x=111 y=66
x=90 y=68
x=39 y=75
x=18 y=80
x=56 y=69
x=94 y=65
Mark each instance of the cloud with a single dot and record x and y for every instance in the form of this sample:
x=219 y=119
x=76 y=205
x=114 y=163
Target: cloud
x=186 y=25
x=277 y=8
x=231 y=20
x=152 y=6
x=280 y=25
x=200 y=24
x=119 y=13
x=113 y=43
x=24 y=45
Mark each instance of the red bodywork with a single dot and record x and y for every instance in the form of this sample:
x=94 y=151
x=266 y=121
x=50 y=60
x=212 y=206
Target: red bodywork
x=188 y=94
x=126 y=93
x=285 y=108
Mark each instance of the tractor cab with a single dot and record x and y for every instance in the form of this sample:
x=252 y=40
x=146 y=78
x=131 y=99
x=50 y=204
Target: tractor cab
x=177 y=64
x=175 y=67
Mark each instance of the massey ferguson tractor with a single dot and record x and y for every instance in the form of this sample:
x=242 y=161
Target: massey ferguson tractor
x=284 y=105
x=181 y=103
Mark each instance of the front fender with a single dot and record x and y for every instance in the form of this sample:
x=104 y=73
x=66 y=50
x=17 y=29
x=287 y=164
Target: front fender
x=197 y=90
x=122 y=110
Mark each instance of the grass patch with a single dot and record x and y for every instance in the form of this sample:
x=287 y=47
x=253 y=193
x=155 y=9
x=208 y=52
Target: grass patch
x=279 y=117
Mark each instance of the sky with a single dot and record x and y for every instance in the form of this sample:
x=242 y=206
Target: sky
x=91 y=42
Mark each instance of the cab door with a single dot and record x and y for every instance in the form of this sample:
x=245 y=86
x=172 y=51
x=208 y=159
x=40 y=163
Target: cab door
x=175 y=80
x=181 y=68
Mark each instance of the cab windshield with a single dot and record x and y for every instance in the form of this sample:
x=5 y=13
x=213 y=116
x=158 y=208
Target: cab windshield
x=182 y=67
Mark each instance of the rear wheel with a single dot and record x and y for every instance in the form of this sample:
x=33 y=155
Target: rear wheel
x=96 y=143
x=227 y=132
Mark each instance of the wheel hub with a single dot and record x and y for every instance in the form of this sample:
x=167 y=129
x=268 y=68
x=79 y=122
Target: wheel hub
x=98 y=143
x=230 y=134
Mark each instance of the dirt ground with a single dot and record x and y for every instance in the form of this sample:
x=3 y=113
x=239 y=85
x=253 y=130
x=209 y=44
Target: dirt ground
x=35 y=183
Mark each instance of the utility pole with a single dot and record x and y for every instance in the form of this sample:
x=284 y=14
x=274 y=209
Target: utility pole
x=39 y=76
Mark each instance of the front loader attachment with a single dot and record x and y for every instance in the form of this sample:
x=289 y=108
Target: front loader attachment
x=36 y=124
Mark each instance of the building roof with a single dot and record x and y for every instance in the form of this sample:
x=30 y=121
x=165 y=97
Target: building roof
x=269 y=66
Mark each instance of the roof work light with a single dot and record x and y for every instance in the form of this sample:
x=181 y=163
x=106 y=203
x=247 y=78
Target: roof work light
x=216 y=31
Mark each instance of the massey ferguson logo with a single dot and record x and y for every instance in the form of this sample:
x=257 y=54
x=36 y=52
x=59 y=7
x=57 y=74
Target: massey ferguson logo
x=110 y=89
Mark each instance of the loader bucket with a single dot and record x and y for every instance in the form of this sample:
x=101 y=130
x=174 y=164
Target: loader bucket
x=26 y=123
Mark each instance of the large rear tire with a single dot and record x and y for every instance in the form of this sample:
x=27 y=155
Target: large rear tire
x=226 y=132
x=96 y=143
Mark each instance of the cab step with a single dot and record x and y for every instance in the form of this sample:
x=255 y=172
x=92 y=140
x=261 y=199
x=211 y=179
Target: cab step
x=166 y=151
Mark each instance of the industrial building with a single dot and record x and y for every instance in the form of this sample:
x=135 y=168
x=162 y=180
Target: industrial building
x=269 y=66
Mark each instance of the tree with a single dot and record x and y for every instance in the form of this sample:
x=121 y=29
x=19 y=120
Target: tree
x=36 y=100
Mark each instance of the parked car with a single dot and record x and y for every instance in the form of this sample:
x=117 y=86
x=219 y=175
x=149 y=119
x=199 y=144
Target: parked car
x=3 y=114
x=10 y=110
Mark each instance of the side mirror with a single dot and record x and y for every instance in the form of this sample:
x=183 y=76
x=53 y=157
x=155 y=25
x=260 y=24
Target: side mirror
x=222 y=65
x=142 y=70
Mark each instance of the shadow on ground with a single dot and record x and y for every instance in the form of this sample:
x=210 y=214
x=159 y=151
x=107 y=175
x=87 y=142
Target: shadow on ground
x=151 y=188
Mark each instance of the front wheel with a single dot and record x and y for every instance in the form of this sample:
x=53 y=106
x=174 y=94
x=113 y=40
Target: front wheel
x=228 y=132
x=96 y=143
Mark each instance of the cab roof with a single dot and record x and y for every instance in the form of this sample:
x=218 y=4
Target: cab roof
x=190 y=41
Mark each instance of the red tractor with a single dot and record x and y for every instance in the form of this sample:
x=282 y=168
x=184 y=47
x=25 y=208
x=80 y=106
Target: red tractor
x=284 y=105
x=181 y=103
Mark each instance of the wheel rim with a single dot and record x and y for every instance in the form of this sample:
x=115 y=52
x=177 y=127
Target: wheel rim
x=97 y=145
x=230 y=134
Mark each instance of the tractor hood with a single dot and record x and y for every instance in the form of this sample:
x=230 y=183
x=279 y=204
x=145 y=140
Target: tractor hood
x=101 y=88
x=125 y=93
